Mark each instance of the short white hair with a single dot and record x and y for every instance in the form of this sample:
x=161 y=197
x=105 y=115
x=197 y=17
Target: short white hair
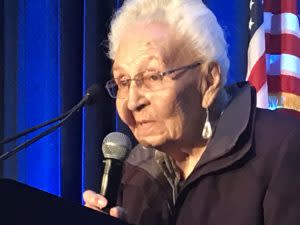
x=190 y=18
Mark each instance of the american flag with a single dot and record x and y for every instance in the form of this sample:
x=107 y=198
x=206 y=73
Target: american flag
x=274 y=53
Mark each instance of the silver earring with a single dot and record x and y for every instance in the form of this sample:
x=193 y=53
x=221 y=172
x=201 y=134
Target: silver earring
x=207 y=131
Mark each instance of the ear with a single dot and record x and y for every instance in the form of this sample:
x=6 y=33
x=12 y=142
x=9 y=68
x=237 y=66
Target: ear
x=211 y=84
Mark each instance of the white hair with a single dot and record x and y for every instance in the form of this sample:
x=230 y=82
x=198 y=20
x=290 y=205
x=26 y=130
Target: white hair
x=190 y=18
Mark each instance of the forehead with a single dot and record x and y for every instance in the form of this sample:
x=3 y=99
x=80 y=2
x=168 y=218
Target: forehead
x=142 y=43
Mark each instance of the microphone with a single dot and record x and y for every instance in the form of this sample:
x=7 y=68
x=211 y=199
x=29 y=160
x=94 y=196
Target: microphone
x=115 y=147
x=92 y=93
x=88 y=99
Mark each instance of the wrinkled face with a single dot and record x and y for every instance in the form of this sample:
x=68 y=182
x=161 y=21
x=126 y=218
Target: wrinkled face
x=168 y=117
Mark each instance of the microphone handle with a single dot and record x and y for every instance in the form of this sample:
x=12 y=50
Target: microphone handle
x=45 y=133
x=111 y=180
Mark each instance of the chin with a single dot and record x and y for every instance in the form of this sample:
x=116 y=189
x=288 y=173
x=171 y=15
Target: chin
x=153 y=141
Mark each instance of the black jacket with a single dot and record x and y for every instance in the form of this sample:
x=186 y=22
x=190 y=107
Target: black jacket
x=248 y=174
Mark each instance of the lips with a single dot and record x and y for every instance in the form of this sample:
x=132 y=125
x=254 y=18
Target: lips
x=145 y=127
x=144 y=123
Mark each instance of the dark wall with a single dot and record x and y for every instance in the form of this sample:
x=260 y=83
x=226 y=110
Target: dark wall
x=84 y=28
x=71 y=52
x=8 y=72
x=1 y=75
x=100 y=119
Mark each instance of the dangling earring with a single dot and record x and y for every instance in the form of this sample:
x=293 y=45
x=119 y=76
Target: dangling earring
x=207 y=131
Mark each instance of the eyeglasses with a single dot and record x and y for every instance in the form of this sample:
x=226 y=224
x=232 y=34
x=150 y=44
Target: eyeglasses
x=148 y=81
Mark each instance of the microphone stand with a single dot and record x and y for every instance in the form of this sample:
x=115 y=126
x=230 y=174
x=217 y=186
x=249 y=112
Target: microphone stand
x=44 y=133
x=87 y=99
x=32 y=129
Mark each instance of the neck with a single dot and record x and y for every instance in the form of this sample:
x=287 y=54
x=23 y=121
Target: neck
x=186 y=159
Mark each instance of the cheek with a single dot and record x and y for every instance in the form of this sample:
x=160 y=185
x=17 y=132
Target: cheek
x=170 y=114
x=125 y=115
x=163 y=104
x=186 y=110
x=174 y=125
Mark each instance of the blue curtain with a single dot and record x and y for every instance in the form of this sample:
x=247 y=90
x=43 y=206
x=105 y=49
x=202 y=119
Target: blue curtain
x=52 y=50
x=233 y=17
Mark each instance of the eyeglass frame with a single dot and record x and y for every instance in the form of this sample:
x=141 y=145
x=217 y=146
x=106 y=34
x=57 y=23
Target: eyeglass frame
x=109 y=85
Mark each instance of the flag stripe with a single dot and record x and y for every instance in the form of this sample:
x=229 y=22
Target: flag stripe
x=277 y=7
x=285 y=100
x=284 y=43
x=284 y=83
x=283 y=64
x=256 y=49
x=262 y=96
x=256 y=77
x=283 y=23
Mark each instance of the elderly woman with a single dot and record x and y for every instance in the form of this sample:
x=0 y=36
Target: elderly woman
x=206 y=155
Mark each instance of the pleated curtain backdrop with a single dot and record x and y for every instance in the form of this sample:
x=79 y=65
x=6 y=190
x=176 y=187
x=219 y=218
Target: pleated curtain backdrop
x=53 y=51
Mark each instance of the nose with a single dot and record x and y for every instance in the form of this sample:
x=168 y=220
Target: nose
x=136 y=98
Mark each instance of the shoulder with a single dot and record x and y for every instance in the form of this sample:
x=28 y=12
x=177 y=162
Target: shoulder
x=140 y=155
x=275 y=126
x=279 y=134
x=277 y=141
x=141 y=164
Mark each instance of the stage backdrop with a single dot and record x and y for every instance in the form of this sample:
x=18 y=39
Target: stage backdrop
x=51 y=52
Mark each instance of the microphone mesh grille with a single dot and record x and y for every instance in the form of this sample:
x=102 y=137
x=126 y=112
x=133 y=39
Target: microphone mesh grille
x=116 y=145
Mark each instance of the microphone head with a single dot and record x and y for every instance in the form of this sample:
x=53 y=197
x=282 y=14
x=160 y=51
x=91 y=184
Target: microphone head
x=92 y=93
x=116 y=145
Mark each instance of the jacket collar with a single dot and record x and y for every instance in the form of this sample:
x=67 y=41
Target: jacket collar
x=233 y=134
x=231 y=124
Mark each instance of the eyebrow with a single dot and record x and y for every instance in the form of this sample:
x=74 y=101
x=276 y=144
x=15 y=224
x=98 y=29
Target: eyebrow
x=141 y=64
